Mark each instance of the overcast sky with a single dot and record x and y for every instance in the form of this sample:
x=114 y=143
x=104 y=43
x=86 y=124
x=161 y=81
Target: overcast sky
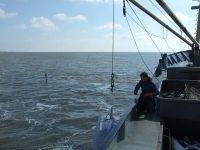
x=86 y=25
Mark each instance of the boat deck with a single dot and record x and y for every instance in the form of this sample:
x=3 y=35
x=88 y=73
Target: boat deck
x=142 y=133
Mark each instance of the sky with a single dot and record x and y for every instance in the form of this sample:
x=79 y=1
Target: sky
x=86 y=26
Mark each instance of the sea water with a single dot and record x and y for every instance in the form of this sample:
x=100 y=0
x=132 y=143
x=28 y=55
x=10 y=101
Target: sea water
x=60 y=110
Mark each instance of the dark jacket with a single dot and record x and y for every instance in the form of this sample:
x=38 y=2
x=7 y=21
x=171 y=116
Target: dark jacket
x=146 y=87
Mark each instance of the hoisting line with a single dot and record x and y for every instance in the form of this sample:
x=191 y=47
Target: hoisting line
x=113 y=39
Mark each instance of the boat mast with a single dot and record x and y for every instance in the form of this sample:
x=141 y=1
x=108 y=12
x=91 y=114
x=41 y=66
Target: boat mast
x=195 y=47
x=197 y=55
x=198 y=23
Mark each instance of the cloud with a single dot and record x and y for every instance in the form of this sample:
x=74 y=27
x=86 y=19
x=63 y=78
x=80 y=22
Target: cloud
x=22 y=26
x=181 y=16
x=109 y=26
x=4 y=15
x=64 y=17
x=41 y=23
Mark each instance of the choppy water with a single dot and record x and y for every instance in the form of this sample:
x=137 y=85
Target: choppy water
x=62 y=113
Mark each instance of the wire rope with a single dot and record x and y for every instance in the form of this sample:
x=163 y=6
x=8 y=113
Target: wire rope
x=145 y=29
x=169 y=20
x=138 y=47
x=165 y=16
x=142 y=26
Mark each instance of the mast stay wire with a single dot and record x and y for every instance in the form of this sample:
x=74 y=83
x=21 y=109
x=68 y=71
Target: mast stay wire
x=169 y=21
x=165 y=16
x=164 y=37
x=150 y=34
x=138 y=48
x=124 y=11
x=169 y=46
x=165 y=40
x=145 y=28
x=158 y=36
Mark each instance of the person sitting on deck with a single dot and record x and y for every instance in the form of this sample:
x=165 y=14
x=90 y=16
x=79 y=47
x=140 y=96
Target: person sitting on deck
x=149 y=91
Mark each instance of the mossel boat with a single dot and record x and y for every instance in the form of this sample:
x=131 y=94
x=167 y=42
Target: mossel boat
x=176 y=123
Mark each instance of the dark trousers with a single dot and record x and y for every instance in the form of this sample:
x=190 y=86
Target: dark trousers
x=146 y=103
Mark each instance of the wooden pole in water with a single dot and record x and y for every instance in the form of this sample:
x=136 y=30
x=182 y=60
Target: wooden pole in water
x=46 y=77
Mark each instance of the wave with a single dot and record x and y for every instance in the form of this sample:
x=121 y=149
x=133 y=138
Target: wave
x=41 y=106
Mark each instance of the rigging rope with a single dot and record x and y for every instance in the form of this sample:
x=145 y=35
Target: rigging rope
x=150 y=34
x=170 y=22
x=142 y=26
x=145 y=28
x=165 y=16
x=136 y=43
x=164 y=37
x=137 y=46
x=113 y=43
x=169 y=46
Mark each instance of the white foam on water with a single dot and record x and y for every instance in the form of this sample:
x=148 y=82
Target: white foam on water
x=103 y=87
x=33 y=121
x=66 y=143
x=6 y=115
x=42 y=106
x=57 y=147
x=60 y=147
